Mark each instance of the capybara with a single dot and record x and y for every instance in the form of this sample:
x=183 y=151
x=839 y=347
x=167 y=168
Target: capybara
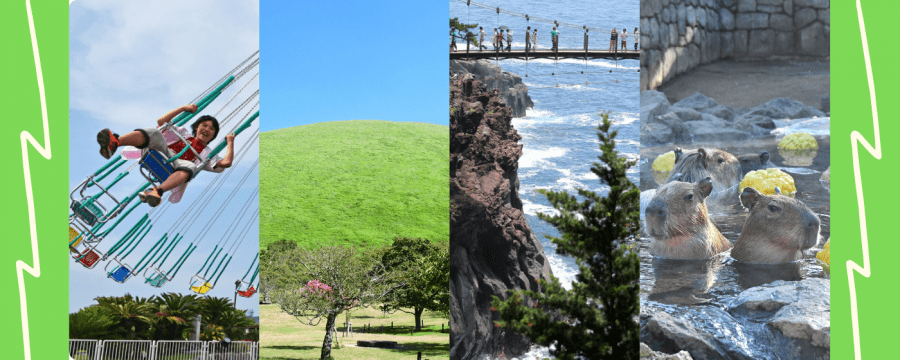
x=694 y=165
x=753 y=162
x=678 y=222
x=778 y=229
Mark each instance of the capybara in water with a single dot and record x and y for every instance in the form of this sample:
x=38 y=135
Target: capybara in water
x=753 y=162
x=778 y=229
x=678 y=222
x=695 y=165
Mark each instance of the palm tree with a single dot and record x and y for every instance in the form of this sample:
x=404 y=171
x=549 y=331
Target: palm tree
x=172 y=314
x=92 y=322
x=213 y=308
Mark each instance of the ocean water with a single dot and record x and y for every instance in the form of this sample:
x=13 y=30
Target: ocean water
x=560 y=133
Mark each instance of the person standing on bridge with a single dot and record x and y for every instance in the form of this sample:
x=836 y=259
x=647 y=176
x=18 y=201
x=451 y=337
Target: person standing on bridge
x=624 y=39
x=528 y=39
x=637 y=38
x=534 y=39
x=481 y=33
x=553 y=38
x=501 y=39
x=586 y=39
x=612 y=40
x=453 y=36
x=509 y=40
x=494 y=39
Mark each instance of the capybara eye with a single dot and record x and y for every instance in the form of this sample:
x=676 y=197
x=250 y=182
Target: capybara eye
x=773 y=208
x=689 y=197
x=745 y=161
x=721 y=160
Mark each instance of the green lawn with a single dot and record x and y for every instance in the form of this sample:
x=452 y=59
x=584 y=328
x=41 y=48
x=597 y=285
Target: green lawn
x=358 y=183
x=284 y=337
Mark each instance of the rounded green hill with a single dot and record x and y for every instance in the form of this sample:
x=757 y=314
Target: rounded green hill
x=359 y=182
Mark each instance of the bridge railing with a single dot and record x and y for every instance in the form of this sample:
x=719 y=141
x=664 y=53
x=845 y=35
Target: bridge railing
x=571 y=41
x=80 y=349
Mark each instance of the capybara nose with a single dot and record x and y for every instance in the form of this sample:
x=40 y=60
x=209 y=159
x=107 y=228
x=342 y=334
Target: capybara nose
x=657 y=208
x=812 y=222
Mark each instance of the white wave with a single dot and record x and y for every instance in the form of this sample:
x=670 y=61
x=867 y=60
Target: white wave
x=569 y=184
x=531 y=158
x=562 y=270
x=530 y=208
x=598 y=63
x=537 y=352
x=538 y=113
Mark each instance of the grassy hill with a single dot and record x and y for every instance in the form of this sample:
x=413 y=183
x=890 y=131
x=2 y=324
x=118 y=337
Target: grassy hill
x=357 y=183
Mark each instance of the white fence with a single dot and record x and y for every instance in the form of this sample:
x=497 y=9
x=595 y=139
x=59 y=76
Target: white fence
x=162 y=350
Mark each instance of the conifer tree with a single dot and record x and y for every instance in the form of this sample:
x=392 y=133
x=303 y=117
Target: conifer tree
x=597 y=318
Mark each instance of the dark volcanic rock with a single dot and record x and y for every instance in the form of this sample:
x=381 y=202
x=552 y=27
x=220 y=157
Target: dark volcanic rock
x=492 y=249
x=513 y=92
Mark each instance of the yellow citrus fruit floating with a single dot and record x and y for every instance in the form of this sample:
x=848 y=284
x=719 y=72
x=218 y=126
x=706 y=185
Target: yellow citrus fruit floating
x=766 y=180
x=824 y=257
x=664 y=162
x=798 y=141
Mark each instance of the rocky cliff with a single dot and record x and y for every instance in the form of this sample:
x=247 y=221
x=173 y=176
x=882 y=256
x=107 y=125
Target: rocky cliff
x=513 y=92
x=492 y=249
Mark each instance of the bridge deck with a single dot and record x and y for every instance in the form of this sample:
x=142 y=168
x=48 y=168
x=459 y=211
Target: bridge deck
x=474 y=54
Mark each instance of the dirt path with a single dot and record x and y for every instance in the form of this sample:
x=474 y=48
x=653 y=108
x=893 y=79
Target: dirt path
x=747 y=84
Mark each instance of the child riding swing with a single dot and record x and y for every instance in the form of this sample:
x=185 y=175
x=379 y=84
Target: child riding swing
x=165 y=141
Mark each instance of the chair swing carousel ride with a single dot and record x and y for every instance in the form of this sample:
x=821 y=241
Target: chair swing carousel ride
x=98 y=208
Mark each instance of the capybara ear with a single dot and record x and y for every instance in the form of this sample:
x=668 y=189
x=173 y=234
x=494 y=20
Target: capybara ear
x=777 y=190
x=678 y=177
x=749 y=197
x=702 y=152
x=705 y=186
x=764 y=158
x=678 y=154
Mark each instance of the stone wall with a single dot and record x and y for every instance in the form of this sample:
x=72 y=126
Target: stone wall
x=679 y=35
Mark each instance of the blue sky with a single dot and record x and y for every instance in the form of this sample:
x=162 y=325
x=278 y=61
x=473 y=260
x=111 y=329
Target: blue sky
x=131 y=62
x=379 y=60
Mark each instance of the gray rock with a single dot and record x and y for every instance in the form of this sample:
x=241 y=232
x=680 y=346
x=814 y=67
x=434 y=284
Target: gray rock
x=649 y=354
x=798 y=312
x=671 y=334
x=784 y=108
x=825 y=16
x=727 y=45
x=789 y=7
x=686 y=114
x=701 y=17
x=721 y=111
x=804 y=17
x=514 y=92
x=826 y=103
x=682 y=18
x=713 y=22
x=668 y=69
x=770 y=9
x=746 y=5
x=673 y=34
x=691 y=16
x=705 y=131
x=748 y=21
x=653 y=104
x=784 y=43
x=819 y=4
x=813 y=40
x=781 y=22
x=760 y=121
x=697 y=101
x=665 y=15
x=740 y=43
x=727 y=19
x=768 y=2
x=729 y=3
x=762 y=43
x=654 y=34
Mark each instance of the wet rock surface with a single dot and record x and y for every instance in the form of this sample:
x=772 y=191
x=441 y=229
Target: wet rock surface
x=492 y=248
x=699 y=118
x=649 y=354
x=513 y=92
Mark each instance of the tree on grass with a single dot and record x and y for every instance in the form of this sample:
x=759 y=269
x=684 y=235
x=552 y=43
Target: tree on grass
x=427 y=266
x=596 y=319
x=328 y=281
x=275 y=275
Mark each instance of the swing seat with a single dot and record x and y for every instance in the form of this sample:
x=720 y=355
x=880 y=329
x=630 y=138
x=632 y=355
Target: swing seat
x=88 y=258
x=154 y=166
x=247 y=293
x=89 y=213
x=157 y=279
x=73 y=244
x=120 y=274
x=202 y=289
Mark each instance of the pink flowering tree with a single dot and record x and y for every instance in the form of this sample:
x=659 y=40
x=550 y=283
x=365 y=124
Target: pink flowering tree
x=328 y=281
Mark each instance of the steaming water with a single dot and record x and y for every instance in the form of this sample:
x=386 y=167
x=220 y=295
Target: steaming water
x=708 y=286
